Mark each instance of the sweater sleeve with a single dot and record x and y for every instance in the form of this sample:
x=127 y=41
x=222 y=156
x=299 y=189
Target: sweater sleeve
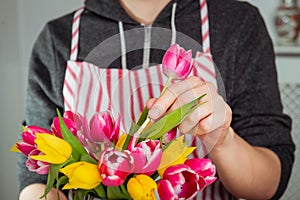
x=43 y=96
x=257 y=109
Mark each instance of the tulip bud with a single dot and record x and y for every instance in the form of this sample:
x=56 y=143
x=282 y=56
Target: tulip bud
x=82 y=175
x=177 y=63
x=141 y=187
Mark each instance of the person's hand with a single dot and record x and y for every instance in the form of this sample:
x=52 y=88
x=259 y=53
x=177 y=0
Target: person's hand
x=36 y=190
x=210 y=122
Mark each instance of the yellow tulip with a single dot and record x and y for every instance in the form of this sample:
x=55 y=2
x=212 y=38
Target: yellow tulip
x=142 y=187
x=176 y=153
x=54 y=149
x=81 y=175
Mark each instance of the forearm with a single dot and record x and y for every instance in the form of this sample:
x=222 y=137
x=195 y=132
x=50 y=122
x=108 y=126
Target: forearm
x=246 y=171
x=35 y=191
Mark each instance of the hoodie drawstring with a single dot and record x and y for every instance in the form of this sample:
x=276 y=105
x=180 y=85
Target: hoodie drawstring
x=123 y=45
x=173 y=26
x=147 y=40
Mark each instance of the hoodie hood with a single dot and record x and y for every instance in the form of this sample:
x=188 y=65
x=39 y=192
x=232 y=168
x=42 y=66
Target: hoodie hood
x=104 y=8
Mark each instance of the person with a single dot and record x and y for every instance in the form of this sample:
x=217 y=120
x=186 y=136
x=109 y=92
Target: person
x=247 y=132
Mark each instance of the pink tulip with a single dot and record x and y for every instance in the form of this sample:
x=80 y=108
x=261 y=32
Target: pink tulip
x=103 y=128
x=28 y=147
x=179 y=182
x=68 y=118
x=168 y=137
x=115 y=166
x=99 y=132
x=28 y=136
x=146 y=155
x=37 y=166
x=177 y=63
x=204 y=168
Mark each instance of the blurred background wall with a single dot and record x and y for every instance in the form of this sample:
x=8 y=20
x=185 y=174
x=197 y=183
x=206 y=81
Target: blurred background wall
x=20 y=24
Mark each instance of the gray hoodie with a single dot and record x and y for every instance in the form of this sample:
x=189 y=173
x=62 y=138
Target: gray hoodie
x=241 y=48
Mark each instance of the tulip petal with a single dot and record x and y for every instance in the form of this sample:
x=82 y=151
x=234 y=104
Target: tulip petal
x=25 y=148
x=56 y=150
x=176 y=153
x=82 y=175
x=141 y=187
x=166 y=191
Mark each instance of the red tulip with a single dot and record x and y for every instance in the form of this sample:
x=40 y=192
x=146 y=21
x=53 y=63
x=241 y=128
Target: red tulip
x=177 y=63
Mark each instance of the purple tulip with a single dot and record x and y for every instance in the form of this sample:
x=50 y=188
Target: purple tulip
x=177 y=63
x=146 y=155
x=204 y=168
x=115 y=166
x=179 y=182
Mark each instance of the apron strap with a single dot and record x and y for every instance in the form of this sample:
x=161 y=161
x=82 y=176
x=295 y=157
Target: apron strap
x=205 y=26
x=75 y=34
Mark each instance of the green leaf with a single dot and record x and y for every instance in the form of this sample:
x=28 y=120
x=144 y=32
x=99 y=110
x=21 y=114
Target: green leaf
x=88 y=158
x=77 y=148
x=80 y=194
x=116 y=193
x=171 y=120
x=52 y=175
x=99 y=190
x=135 y=126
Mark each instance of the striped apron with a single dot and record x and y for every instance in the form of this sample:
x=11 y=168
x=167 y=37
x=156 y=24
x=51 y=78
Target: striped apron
x=89 y=88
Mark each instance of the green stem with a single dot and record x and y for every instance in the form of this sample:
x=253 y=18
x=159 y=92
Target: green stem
x=166 y=85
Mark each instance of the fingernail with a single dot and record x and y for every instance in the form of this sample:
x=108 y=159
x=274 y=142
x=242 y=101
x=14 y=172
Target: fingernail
x=155 y=111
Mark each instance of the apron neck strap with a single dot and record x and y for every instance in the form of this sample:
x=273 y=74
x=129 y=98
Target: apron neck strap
x=205 y=26
x=75 y=34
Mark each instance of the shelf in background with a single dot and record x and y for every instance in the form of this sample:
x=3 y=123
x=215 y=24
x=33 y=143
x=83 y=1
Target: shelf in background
x=287 y=50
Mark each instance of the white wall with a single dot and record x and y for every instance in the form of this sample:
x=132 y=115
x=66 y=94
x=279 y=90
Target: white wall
x=20 y=23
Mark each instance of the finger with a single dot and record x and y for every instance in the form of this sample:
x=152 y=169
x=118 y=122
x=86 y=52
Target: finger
x=190 y=95
x=150 y=103
x=168 y=98
x=189 y=124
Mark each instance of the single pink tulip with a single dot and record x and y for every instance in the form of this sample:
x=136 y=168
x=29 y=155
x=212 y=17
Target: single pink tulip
x=115 y=166
x=103 y=128
x=179 y=182
x=177 y=63
x=68 y=118
x=204 y=168
x=146 y=155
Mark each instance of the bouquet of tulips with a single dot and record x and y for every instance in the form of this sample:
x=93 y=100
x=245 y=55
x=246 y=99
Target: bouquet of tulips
x=94 y=157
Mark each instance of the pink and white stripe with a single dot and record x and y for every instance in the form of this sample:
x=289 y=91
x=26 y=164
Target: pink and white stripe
x=205 y=26
x=75 y=34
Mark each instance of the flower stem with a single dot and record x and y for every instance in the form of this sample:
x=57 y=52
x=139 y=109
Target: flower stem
x=166 y=85
x=143 y=126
